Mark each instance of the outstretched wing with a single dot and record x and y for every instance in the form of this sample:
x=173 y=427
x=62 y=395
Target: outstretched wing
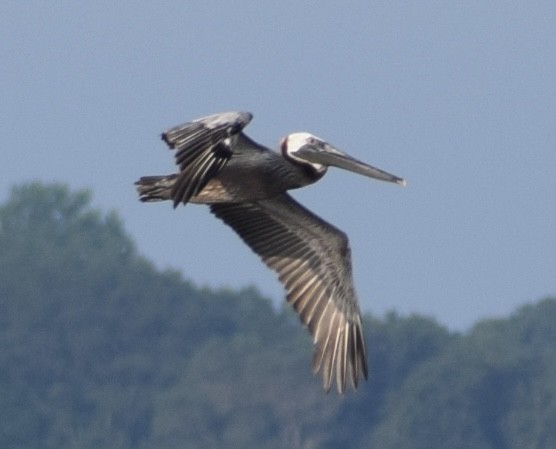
x=313 y=261
x=203 y=147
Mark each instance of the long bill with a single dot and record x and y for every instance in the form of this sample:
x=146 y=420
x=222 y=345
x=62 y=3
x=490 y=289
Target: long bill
x=330 y=156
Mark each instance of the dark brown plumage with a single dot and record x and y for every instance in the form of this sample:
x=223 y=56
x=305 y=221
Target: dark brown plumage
x=245 y=185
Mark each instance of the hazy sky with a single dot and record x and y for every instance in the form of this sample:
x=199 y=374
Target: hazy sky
x=457 y=97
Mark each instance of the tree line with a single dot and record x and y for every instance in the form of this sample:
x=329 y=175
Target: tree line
x=99 y=349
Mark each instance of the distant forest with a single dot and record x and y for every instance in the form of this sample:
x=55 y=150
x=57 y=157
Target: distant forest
x=99 y=349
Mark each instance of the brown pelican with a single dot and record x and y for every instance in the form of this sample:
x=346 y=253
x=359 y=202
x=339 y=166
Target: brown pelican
x=245 y=185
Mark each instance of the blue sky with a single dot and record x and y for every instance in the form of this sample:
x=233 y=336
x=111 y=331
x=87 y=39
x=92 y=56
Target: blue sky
x=457 y=97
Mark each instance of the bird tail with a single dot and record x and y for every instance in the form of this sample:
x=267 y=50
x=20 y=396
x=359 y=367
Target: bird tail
x=155 y=188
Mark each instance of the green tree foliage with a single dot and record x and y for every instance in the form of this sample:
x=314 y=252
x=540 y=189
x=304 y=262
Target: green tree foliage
x=101 y=350
x=494 y=388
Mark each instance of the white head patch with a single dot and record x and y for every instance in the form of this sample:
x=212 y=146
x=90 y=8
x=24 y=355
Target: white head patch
x=294 y=142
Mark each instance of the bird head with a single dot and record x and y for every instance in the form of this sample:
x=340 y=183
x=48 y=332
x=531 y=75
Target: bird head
x=311 y=151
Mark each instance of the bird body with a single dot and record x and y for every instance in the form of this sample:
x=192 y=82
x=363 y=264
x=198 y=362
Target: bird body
x=246 y=184
x=263 y=174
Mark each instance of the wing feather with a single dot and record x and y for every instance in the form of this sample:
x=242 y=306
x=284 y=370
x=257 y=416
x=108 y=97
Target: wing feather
x=203 y=147
x=313 y=262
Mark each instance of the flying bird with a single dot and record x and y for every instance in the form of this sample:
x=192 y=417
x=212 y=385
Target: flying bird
x=245 y=185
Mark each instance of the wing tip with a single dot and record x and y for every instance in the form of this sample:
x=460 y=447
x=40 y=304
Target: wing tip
x=164 y=137
x=342 y=362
